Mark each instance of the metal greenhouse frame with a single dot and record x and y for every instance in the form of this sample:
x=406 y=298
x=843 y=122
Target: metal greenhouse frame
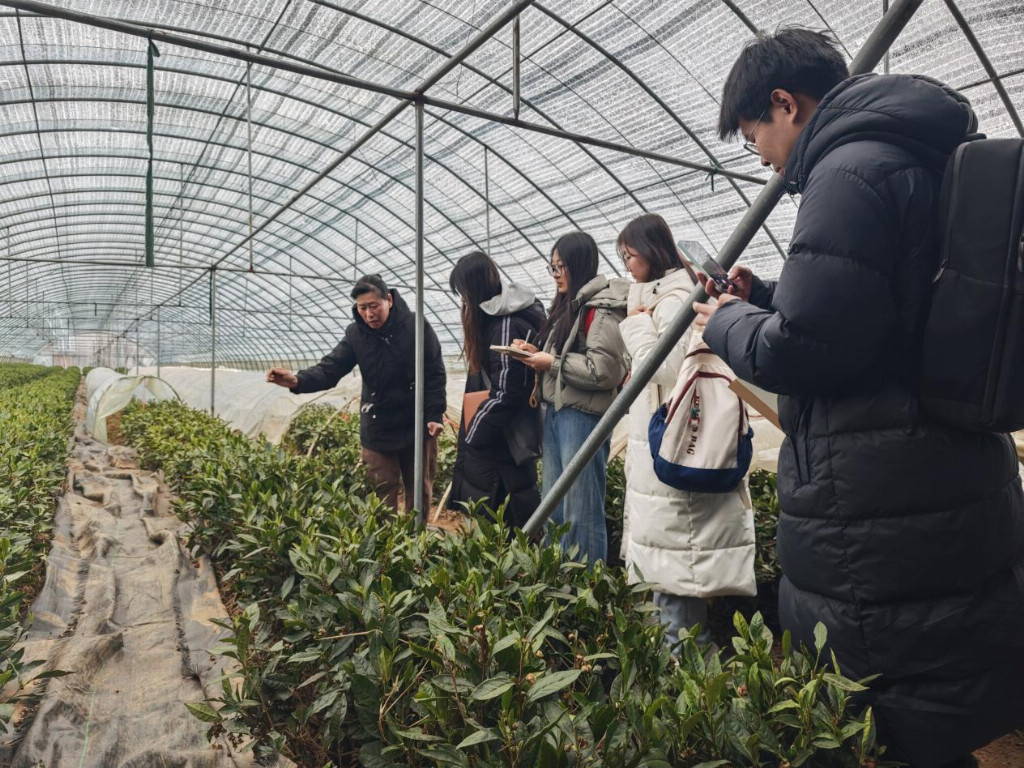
x=301 y=211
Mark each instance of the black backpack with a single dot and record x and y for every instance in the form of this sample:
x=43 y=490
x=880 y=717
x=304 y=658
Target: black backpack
x=972 y=367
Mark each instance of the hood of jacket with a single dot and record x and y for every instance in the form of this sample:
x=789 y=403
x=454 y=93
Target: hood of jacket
x=513 y=298
x=921 y=114
x=650 y=293
x=603 y=293
x=399 y=313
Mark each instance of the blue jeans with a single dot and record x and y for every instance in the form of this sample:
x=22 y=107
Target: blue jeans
x=583 y=505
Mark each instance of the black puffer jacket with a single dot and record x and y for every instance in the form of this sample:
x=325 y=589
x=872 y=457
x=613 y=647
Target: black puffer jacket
x=484 y=468
x=387 y=361
x=904 y=537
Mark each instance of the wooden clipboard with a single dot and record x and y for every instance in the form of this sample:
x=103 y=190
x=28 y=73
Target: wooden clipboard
x=765 y=403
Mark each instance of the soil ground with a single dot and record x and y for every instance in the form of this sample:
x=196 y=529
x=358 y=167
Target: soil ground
x=1007 y=752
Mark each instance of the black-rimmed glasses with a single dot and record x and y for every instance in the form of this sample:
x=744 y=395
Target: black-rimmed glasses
x=751 y=146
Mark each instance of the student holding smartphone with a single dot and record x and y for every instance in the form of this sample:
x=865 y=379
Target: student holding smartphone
x=691 y=546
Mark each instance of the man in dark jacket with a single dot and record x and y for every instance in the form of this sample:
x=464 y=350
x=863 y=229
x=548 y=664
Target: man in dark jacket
x=382 y=342
x=904 y=537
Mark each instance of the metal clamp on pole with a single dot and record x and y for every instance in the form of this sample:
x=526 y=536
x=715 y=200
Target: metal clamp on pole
x=867 y=58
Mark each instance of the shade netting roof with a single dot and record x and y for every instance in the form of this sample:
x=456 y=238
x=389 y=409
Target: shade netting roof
x=645 y=75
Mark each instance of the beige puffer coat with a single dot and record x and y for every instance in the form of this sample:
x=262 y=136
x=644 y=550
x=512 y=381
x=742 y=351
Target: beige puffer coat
x=693 y=544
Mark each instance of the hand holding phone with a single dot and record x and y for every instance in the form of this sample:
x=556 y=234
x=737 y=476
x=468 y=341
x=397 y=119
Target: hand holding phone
x=695 y=253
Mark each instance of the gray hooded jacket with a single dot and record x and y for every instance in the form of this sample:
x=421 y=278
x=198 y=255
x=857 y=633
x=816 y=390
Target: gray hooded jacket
x=588 y=370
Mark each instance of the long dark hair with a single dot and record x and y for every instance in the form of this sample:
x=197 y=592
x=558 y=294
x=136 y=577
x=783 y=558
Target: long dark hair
x=475 y=278
x=578 y=253
x=650 y=237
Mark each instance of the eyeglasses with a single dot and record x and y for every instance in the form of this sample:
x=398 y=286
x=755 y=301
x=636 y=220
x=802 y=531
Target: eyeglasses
x=556 y=270
x=751 y=146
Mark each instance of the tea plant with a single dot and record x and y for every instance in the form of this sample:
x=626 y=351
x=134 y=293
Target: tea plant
x=320 y=429
x=35 y=424
x=364 y=641
x=765 y=498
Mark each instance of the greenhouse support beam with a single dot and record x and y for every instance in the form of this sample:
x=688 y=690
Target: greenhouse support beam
x=158 y=350
x=997 y=82
x=870 y=54
x=408 y=97
x=419 y=434
x=213 y=339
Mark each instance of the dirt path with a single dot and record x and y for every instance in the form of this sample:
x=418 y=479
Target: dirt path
x=128 y=615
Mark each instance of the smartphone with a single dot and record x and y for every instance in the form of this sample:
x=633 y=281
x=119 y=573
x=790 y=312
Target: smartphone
x=695 y=253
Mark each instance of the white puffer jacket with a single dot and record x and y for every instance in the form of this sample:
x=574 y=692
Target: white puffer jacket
x=694 y=544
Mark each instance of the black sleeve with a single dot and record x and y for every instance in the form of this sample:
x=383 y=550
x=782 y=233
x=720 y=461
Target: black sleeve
x=435 y=396
x=833 y=309
x=762 y=292
x=511 y=385
x=328 y=372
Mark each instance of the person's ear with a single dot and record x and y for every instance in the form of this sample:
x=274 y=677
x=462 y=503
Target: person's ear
x=786 y=102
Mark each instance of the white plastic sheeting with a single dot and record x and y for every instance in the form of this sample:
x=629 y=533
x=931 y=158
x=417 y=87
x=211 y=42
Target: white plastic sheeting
x=108 y=392
x=249 y=404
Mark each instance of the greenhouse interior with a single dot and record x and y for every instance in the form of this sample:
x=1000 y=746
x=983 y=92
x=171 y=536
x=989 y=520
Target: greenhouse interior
x=364 y=403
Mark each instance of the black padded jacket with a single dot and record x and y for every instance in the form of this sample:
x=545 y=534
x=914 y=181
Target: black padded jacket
x=904 y=537
x=386 y=358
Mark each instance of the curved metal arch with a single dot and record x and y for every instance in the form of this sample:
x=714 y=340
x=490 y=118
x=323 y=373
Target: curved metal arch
x=615 y=61
x=586 y=151
x=497 y=81
x=284 y=224
x=496 y=153
x=572 y=28
x=314 y=257
x=377 y=169
x=227 y=283
x=997 y=82
x=442 y=165
x=202 y=318
x=470 y=239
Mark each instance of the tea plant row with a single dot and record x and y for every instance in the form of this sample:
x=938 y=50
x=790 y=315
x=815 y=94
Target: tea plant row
x=15 y=374
x=363 y=641
x=35 y=426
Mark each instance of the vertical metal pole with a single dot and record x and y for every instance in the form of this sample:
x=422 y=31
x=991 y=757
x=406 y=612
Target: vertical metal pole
x=419 y=435
x=213 y=340
x=885 y=59
x=865 y=61
x=355 y=255
x=248 y=145
x=181 y=229
x=158 y=342
x=487 y=197
x=138 y=349
x=515 y=67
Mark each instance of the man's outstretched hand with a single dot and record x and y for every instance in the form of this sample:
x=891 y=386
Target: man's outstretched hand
x=282 y=377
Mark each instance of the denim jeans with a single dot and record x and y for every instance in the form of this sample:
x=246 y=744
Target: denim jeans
x=583 y=505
